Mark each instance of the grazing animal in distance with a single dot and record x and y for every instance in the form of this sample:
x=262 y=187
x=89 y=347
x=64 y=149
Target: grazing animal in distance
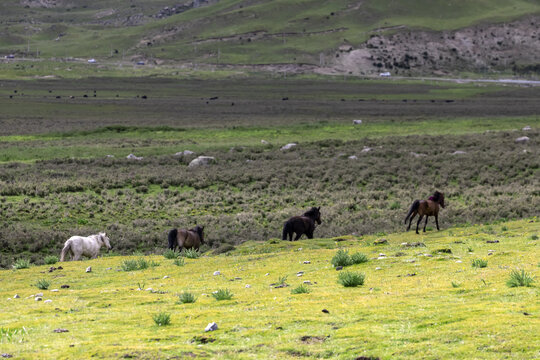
x=429 y=207
x=187 y=239
x=304 y=224
x=89 y=246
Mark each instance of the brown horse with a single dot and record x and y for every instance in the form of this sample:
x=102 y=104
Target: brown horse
x=187 y=239
x=304 y=224
x=428 y=208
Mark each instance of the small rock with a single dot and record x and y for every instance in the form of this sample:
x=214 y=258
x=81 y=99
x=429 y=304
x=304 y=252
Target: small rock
x=64 y=286
x=248 y=286
x=54 y=290
x=202 y=161
x=526 y=128
x=264 y=142
x=366 y=149
x=133 y=157
x=6 y=355
x=37 y=298
x=110 y=156
x=428 y=255
x=353 y=157
x=458 y=152
x=266 y=274
x=378 y=268
x=39 y=294
x=166 y=277
x=523 y=139
x=339 y=268
x=299 y=249
x=382 y=255
x=307 y=262
x=16 y=296
x=184 y=153
x=48 y=301
x=150 y=289
x=380 y=241
x=9 y=299
x=492 y=241
x=417 y=155
x=307 y=282
x=216 y=273
x=288 y=146
x=237 y=278
x=459 y=261
x=211 y=327
x=60 y=330
x=59 y=268
x=299 y=274
x=109 y=268
x=357 y=122
x=325 y=311
x=89 y=269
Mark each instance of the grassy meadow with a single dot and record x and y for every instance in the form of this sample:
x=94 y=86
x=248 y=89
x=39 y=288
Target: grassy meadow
x=422 y=298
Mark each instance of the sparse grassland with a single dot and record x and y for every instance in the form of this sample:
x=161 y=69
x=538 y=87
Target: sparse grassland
x=408 y=307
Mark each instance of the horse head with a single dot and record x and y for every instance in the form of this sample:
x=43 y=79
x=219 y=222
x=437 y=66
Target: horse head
x=439 y=197
x=200 y=231
x=105 y=239
x=315 y=214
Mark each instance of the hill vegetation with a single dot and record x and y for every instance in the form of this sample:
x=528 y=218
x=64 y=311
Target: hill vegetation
x=307 y=34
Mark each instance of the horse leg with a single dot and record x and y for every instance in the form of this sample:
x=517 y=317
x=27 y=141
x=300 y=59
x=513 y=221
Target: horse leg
x=410 y=221
x=298 y=234
x=418 y=222
x=425 y=223
x=437 y=221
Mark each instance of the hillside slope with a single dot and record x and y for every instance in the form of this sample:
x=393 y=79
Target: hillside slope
x=417 y=302
x=329 y=35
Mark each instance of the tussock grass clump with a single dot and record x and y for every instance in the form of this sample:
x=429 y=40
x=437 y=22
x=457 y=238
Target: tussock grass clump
x=341 y=258
x=170 y=254
x=534 y=237
x=43 y=284
x=455 y=284
x=186 y=298
x=179 y=262
x=162 y=319
x=21 y=264
x=12 y=335
x=519 y=278
x=51 y=259
x=139 y=264
x=358 y=258
x=302 y=289
x=222 y=294
x=351 y=279
x=190 y=253
x=479 y=263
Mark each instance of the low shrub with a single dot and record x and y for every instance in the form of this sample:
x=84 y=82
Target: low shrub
x=358 y=258
x=51 y=259
x=170 y=254
x=186 y=298
x=302 y=289
x=21 y=264
x=162 y=319
x=519 y=278
x=139 y=264
x=222 y=294
x=43 y=284
x=179 y=262
x=190 y=253
x=479 y=263
x=351 y=279
x=341 y=258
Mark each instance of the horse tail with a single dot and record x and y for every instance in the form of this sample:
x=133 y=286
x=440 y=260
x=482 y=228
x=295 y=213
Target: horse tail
x=414 y=207
x=65 y=250
x=172 y=238
x=286 y=230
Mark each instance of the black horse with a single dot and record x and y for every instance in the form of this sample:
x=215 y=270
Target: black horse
x=429 y=207
x=304 y=224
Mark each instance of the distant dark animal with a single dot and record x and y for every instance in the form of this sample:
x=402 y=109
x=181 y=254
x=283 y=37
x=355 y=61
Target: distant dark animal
x=428 y=208
x=304 y=224
x=187 y=239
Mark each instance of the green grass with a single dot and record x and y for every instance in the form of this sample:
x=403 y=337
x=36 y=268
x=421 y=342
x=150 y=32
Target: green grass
x=43 y=284
x=21 y=264
x=302 y=289
x=51 y=259
x=186 y=298
x=520 y=278
x=162 y=319
x=351 y=279
x=392 y=315
x=222 y=294
x=479 y=263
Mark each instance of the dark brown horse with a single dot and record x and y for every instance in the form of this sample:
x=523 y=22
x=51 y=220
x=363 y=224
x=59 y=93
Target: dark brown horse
x=187 y=239
x=304 y=224
x=429 y=207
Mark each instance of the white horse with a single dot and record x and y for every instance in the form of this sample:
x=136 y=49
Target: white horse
x=88 y=246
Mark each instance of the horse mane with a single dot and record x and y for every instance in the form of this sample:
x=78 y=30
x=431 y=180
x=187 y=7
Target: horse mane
x=199 y=230
x=436 y=196
x=311 y=212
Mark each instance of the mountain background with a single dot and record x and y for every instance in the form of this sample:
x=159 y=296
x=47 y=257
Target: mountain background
x=417 y=37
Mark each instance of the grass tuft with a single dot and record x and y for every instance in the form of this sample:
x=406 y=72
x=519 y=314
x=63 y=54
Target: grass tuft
x=170 y=254
x=186 y=298
x=351 y=279
x=139 y=264
x=479 y=263
x=222 y=294
x=341 y=258
x=190 y=253
x=43 y=284
x=519 y=278
x=162 y=319
x=302 y=289
x=51 y=259
x=179 y=262
x=358 y=258
x=21 y=264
